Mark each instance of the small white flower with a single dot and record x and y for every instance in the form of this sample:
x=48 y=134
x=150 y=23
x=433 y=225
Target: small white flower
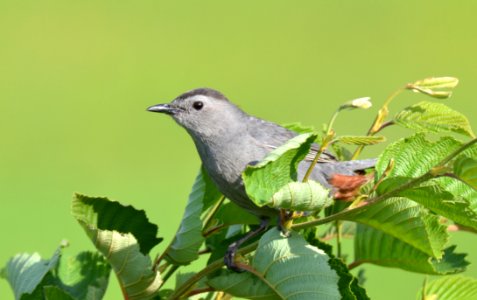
x=363 y=103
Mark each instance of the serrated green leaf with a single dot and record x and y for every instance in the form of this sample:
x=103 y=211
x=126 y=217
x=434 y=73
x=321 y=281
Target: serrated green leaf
x=435 y=198
x=56 y=293
x=278 y=168
x=415 y=156
x=104 y=214
x=301 y=196
x=117 y=231
x=434 y=117
x=466 y=169
x=407 y=221
x=376 y=247
x=360 y=140
x=347 y=284
x=450 y=288
x=437 y=87
x=84 y=276
x=459 y=188
x=24 y=272
x=286 y=268
x=188 y=239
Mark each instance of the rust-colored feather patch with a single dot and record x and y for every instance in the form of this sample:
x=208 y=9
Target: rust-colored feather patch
x=347 y=186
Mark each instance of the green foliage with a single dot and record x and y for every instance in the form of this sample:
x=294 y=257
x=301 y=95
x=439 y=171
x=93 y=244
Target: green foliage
x=278 y=168
x=26 y=271
x=81 y=277
x=422 y=184
x=437 y=87
x=84 y=276
x=301 y=196
x=465 y=168
x=121 y=234
x=284 y=268
x=433 y=117
x=376 y=247
x=449 y=288
x=360 y=140
x=407 y=221
x=188 y=238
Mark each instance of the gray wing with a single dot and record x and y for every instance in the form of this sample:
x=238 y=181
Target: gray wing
x=272 y=136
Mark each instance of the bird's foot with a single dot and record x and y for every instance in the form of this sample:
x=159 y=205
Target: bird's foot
x=229 y=258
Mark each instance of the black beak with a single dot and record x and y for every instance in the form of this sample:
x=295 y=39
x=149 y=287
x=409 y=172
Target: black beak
x=163 y=108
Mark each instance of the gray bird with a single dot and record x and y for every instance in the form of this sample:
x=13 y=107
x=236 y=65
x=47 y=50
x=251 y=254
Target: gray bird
x=228 y=139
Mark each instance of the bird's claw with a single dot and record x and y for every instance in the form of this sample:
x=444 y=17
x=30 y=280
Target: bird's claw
x=229 y=258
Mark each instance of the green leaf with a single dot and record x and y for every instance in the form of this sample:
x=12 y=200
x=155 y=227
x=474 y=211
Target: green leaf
x=188 y=239
x=376 y=247
x=230 y=213
x=437 y=199
x=55 y=293
x=407 y=221
x=437 y=87
x=433 y=117
x=360 y=140
x=348 y=230
x=84 y=276
x=299 y=128
x=450 y=288
x=278 y=168
x=285 y=268
x=24 y=272
x=301 y=196
x=459 y=188
x=466 y=169
x=124 y=236
x=104 y=214
x=347 y=284
x=415 y=156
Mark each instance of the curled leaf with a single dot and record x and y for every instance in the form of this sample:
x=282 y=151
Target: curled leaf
x=124 y=236
x=437 y=87
x=278 y=168
x=301 y=196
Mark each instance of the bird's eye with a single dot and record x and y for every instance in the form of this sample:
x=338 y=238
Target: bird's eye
x=197 y=105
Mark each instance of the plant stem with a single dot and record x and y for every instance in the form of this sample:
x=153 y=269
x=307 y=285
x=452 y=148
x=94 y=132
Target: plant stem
x=214 y=266
x=338 y=238
x=355 y=264
x=199 y=291
x=378 y=123
x=212 y=211
x=169 y=273
x=315 y=161
x=457 y=152
x=123 y=290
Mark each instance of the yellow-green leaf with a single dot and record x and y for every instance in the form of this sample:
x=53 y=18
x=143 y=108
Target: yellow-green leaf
x=434 y=117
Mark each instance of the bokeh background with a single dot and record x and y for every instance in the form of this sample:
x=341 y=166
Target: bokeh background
x=77 y=76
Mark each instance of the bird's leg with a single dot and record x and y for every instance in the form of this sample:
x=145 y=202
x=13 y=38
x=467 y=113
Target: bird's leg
x=229 y=258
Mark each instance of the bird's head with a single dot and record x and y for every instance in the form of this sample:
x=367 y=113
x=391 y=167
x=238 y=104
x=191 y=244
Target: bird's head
x=203 y=113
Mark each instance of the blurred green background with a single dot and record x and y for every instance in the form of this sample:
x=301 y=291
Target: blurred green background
x=77 y=76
